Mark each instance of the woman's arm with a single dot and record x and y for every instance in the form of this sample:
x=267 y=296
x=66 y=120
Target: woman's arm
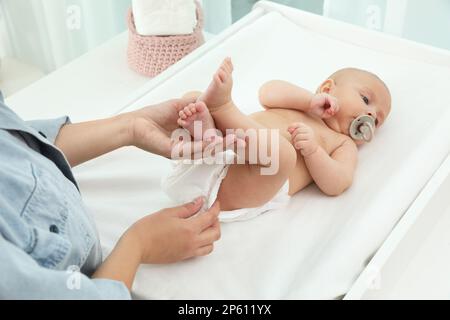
x=122 y=263
x=148 y=128
x=84 y=141
x=164 y=237
x=21 y=277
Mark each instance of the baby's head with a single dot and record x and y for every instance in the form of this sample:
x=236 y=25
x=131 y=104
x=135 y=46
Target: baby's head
x=358 y=92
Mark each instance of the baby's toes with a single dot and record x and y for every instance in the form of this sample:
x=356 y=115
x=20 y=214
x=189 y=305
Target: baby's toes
x=201 y=107
x=182 y=115
x=221 y=77
x=226 y=67
x=216 y=79
x=187 y=111
x=181 y=123
x=190 y=107
x=228 y=64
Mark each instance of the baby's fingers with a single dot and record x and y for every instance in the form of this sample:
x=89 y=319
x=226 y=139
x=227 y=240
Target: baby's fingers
x=302 y=131
x=328 y=113
x=300 y=143
x=294 y=126
x=303 y=136
x=297 y=127
x=333 y=106
x=301 y=139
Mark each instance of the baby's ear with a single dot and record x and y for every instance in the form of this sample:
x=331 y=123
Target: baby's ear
x=327 y=86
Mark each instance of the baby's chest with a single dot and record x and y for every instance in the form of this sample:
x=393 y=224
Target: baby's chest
x=281 y=119
x=327 y=139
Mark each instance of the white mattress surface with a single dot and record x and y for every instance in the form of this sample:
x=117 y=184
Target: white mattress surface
x=319 y=245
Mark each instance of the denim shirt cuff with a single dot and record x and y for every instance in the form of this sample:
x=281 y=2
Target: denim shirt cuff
x=49 y=128
x=112 y=290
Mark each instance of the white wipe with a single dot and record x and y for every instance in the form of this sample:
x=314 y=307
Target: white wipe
x=164 y=17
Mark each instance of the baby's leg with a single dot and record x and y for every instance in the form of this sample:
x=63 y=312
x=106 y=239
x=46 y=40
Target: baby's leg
x=244 y=185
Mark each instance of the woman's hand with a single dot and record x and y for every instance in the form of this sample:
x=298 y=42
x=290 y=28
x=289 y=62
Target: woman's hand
x=167 y=236
x=171 y=235
x=151 y=130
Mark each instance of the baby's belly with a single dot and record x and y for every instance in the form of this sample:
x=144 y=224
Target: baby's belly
x=281 y=119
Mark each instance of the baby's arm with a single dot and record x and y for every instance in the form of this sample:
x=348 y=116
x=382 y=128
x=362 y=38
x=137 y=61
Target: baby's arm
x=282 y=94
x=332 y=174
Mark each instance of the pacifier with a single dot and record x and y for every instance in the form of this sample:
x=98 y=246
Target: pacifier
x=363 y=128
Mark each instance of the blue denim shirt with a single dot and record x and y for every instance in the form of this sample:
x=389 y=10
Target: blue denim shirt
x=48 y=242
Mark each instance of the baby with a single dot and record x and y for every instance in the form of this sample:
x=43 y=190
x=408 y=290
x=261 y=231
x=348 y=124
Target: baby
x=314 y=140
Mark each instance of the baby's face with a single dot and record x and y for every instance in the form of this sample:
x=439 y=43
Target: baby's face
x=358 y=93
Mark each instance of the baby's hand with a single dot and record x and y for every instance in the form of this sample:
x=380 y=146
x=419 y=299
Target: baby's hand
x=303 y=138
x=324 y=105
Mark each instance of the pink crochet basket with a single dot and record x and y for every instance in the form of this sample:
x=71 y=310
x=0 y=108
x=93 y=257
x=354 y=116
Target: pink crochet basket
x=151 y=55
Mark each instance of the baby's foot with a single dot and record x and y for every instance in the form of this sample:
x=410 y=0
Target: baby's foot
x=197 y=114
x=218 y=93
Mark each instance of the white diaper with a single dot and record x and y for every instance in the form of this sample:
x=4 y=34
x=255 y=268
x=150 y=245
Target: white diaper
x=191 y=179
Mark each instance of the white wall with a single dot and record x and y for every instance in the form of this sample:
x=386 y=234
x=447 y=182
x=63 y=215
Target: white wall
x=4 y=39
x=50 y=33
x=417 y=20
x=428 y=22
x=366 y=13
x=218 y=15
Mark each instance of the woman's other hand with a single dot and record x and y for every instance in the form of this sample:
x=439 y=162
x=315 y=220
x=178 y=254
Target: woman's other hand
x=173 y=234
x=167 y=236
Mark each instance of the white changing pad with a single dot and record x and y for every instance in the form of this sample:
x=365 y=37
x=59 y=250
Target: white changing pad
x=318 y=246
